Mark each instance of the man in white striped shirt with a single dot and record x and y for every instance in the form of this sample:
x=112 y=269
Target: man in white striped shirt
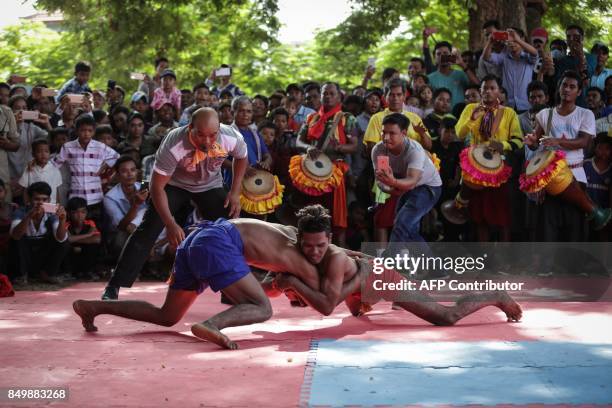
x=87 y=160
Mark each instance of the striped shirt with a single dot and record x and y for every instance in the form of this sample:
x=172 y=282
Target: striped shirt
x=84 y=167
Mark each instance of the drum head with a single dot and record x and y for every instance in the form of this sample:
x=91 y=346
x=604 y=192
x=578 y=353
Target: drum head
x=538 y=162
x=321 y=167
x=487 y=158
x=259 y=184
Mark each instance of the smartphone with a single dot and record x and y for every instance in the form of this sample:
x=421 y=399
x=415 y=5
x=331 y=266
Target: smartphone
x=46 y=92
x=223 y=72
x=382 y=163
x=448 y=59
x=18 y=79
x=139 y=76
x=50 y=208
x=29 y=115
x=144 y=185
x=372 y=62
x=75 y=99
x=500 y=35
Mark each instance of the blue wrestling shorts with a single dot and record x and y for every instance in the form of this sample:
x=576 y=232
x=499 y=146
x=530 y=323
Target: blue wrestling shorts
x=212 y=255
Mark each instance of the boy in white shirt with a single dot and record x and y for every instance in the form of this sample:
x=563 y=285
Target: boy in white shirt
x=41 y=170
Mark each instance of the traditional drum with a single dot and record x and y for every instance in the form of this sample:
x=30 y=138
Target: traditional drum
x=548 y=172
x=261 y=193
x=315 y=177
x=482 y=167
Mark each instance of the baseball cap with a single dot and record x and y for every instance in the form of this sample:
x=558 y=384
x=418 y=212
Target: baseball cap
x=539 y=33
x=138 y=95
x=168 y=72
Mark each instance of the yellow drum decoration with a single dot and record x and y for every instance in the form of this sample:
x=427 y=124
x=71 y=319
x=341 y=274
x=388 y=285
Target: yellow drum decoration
x=548 y=171
x=261 y=193
x=315 y=177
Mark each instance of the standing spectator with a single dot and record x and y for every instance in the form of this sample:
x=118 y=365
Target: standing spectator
x=260 y=109
x=118 y=121
x=537 y=94
x=84 y=239
x=446 y=77
x=601 y=73
x=472 y=94
x=5 y=89
x=577 y=60
x=135 y=136
x=441 y=108
x=313 y=96
x=225 y=83
x=485 y=68
x=167 y=93
x=595 y=102
x=416 y=66
x=88 y=160
x=99 y=100
x=517 y=61
x=302 y=111
x=201 y=95
x=28 y=133
x=139 y=102
x=187 y=168
x=157 y=133
x=41 y=170
x=9 y=142
x=39 y=236
x=284 y=146
x=149 y=85
x=78 y=84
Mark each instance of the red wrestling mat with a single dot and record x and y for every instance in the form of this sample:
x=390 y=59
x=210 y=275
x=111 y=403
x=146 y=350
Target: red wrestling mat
x=130 y=363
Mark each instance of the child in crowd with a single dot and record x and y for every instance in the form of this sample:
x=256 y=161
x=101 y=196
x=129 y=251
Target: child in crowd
x=104 y=134
x=167 y=93
x=267 y=130
x=41 y=170
x=599 y=171
x=84 y=239
x=284 y=145
x=291 y=105
x=425 y=96
x=447 y=148
x=225 y=113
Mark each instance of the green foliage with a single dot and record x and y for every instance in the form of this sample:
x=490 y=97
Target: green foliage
x=119 y=37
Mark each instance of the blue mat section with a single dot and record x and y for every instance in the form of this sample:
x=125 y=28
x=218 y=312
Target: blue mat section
x=367 y=373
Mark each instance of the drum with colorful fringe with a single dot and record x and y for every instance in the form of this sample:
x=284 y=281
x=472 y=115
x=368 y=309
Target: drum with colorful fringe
x=482 y=167
x=315 y=177
x=261 y=193
x=548 y=171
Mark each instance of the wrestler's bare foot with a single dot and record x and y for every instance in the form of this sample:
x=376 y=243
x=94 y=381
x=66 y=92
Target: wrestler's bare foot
x=509 y=306
x=209 y=332
x=82 y=308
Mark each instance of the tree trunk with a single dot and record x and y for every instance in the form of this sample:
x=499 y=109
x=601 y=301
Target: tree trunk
x=534 y=11
x=509 y=13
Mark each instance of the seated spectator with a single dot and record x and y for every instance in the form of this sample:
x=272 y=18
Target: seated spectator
x=165 y=115
x=472 y=94
x=39 y=233
x=601 y=73
x=41 y=170
x=168 y=93
x=595 y=101
x=537 y=94
x=84 y=239
x=201 y=95
x=124 y=204
x=441 y=107
x=136 y=128
x=78 y=84
x=517 y=61
x=225 y=83
x=89 y=161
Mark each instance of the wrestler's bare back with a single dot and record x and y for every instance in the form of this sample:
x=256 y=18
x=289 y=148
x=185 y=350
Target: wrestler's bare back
x=273 y=247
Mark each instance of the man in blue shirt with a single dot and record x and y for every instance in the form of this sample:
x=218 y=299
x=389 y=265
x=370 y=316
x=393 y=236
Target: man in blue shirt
x=78 y=84
x=446 y=77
